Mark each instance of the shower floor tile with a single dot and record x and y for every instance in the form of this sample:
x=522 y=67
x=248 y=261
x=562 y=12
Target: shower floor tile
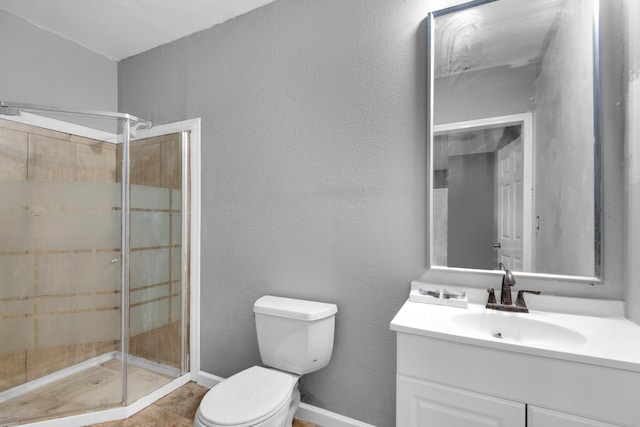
x=96 y=387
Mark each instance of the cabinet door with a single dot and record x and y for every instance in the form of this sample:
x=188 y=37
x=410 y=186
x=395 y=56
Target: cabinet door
x=424 y=404
x=539 y=417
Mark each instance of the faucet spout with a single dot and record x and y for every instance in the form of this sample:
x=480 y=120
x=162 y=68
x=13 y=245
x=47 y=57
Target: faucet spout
x=507 y=282
x=506 y=304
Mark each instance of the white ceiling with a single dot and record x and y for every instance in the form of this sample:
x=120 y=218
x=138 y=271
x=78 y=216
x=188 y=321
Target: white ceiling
x=118 y=29
x=506 y=32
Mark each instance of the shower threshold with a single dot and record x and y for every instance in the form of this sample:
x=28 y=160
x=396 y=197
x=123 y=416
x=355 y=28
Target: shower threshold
x=78 y=392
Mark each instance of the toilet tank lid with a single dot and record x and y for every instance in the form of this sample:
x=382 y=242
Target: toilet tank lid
x=294 y=308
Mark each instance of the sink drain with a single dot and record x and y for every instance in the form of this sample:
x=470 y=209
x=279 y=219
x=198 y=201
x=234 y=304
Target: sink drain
x=96 y=382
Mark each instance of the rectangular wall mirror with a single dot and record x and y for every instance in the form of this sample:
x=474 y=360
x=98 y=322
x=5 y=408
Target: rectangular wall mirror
x=514 y=138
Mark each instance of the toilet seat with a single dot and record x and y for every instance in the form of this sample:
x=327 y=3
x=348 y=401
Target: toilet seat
x=247 y=398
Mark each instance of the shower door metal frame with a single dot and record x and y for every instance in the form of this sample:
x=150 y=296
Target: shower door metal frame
x=124 y=255
x=189 y=131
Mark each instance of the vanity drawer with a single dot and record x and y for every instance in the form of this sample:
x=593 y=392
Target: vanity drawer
x=539 y=417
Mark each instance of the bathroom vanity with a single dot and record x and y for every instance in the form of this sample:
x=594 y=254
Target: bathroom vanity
x=479 y=367
x=520 y=191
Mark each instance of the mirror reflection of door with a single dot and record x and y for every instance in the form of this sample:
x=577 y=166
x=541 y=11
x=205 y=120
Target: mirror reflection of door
x=509 y=187
x=482 y=204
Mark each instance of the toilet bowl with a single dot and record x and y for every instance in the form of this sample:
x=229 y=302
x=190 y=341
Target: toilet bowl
x=254 y=397
x=295 y=337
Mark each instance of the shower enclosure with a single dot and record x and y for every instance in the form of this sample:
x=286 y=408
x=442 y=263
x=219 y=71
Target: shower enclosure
x=94 y=262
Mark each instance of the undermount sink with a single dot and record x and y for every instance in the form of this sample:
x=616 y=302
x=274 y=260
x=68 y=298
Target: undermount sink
x=516 y=328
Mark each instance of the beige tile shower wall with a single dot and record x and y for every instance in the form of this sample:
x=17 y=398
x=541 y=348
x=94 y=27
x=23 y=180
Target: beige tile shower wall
x=59 y=237
x=13 y=153
x=155 y=162
x=155 y=248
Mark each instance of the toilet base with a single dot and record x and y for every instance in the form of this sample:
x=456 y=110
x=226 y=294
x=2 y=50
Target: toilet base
x=293 y=406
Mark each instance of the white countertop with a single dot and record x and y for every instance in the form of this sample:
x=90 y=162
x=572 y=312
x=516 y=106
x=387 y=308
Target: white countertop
x=604 y=339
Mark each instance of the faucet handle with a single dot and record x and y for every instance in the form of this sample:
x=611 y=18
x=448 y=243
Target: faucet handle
x=492 y=296
x=520 y=299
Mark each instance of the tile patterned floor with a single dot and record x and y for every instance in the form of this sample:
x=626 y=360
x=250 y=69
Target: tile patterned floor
x=177 y=409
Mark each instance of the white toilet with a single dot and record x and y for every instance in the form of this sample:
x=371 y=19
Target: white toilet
x=295 y=337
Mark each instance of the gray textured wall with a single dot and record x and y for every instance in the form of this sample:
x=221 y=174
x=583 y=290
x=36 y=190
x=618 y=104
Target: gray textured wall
x=564 y=186
x=613 y=93
x=41 y=68
x=632 y=148
x=313 y=160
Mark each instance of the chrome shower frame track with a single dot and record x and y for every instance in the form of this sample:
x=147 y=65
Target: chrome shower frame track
x=34 y=107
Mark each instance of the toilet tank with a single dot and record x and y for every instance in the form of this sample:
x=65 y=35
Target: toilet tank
x=294 y=335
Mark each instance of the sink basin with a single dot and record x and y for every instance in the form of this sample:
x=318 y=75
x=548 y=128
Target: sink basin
x=600 y=335
x=516 y=328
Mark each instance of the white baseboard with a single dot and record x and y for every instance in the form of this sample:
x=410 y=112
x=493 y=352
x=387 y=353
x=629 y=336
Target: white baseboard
x=206 y=379
x=305 y=412
x=325 y=418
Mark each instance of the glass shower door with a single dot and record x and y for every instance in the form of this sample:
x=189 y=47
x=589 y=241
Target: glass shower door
x=60 y=275
x=158 y=274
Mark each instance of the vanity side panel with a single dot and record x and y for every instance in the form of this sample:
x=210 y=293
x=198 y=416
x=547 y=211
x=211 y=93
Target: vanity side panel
x=604 y=394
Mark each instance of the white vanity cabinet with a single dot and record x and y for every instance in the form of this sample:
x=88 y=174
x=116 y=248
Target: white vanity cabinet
x=443 y=382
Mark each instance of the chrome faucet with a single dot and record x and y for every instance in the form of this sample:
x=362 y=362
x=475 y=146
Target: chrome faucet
x=506 y=303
